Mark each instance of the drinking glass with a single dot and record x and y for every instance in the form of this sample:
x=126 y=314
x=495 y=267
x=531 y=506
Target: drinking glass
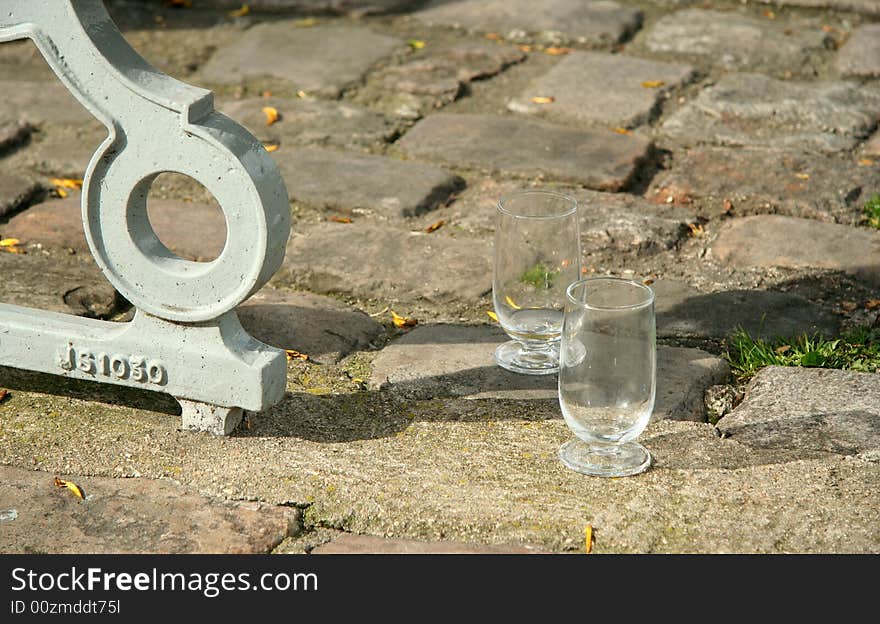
x=607 y=375
x=537 y=255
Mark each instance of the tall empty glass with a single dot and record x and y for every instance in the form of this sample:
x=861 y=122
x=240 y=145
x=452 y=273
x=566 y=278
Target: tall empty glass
x=537 y=255
x=607 y=375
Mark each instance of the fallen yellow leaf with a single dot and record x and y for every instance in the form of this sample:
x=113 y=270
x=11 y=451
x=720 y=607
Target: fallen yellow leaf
x=802 y=176
x=416 y=44
x=866 y=162
x=293 y=354
x=653 y=84
x=494 y=36
x=769 y=14
x=69 y=183
x=61 y=193
x=512 y=303
x=492 y=315
x=301 y=94
x=557 y=51
x=9 y=242
x=435 y=226
x=872 y=304
x=782 y=349
x=622 y=131
x=336 y=219
x=588 y=539
x=543 y=99
x=271 y=114
x=525 y=48
x=696 y=229
x=271 y=147
x=241 y=12
x=70 y=485
x=306 y=22
x=402 y=321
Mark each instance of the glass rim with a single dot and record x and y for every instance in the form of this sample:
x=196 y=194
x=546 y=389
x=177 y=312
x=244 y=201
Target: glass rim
x=649 y=299
x=568 y=198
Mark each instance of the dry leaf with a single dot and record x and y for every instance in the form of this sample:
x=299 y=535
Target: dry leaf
x=435 y=226
x=266 y=94
x=494 y=37
x=802 y=176
x=271 y=114
x=492 y=315
x=872 y=304
x=402 y=321
x=769 y=14
x=782 y=349
x=9 y=242
x=848 y=306
x=696 y=229
x=588 y=539
x=648 y=281
x=653 y=84
x=543 y=99
x=70 y=485
x=555 y=51
x=336 y=219
x=524 y=48
x=293 y=354
x=3 y=394
x=306 y=22
x=866 y=162
x=69 y=183
x=512 y=303
x=416 y=44
x=60 y=192
x=301 y=94
x=241 y=12
x=271 y=147
x=622 y=131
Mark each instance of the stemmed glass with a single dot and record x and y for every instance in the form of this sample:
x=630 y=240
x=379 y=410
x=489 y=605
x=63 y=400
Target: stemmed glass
x=607 y=375
x=537 y=255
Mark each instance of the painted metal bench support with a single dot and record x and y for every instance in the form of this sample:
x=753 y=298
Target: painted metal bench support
x=185 y=339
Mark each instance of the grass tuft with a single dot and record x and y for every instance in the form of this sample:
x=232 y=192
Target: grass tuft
x=872 y=211
x=858 y=350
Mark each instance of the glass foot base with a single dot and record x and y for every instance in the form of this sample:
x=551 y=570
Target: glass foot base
x=514 y=357
x=622 y=461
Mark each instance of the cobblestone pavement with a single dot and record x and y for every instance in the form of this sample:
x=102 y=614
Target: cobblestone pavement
x=724 y=150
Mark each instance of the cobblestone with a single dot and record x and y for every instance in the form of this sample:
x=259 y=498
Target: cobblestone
x=599 y=160
x=860 y=55
x=754 y=110
x=308 y=58
x=737 y=42
x=364 y=183
x=609 y=90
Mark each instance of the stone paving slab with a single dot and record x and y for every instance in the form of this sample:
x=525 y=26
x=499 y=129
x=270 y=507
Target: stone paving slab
x=872 y=146
x=364 y=183
x=788 y=242
x=737 y=42
x=12 y=132
x=15 y=192
x=41 y=102
x=308 y=58
x=684 y=313
x=374 y=261
x=348 y=544
x=321 y=327
x=61 y=152
x=587 y=21
x=471 y=472
x=305 y=121
x=810 y=409
x=869 y=7
x=448 y=360
x=860 y=55
x=602 y=89
x=21 y=58
x=441 y=76
x=192 y=230
x=65 y=285
x=131 y=516
x=751 y=109
x=602 y=161
x=323 y=7
x=609 y=221
x=719 y=181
